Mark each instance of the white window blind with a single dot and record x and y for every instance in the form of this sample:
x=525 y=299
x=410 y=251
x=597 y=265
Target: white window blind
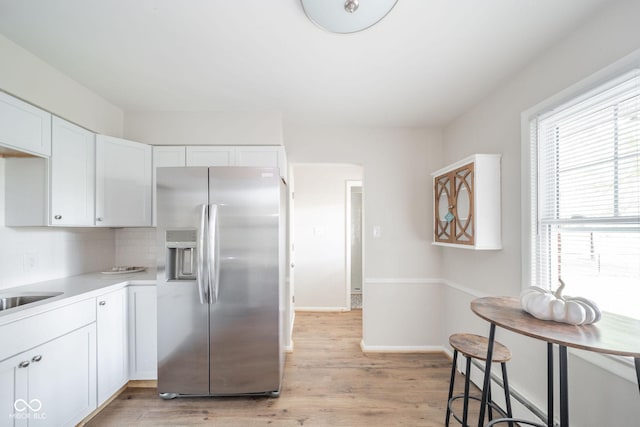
x=586 y=196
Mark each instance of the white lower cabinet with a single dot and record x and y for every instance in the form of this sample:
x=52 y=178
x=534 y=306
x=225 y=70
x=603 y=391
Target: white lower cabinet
x=143 y=335
x=53 y=384
x=112 y=352
x=58 y=366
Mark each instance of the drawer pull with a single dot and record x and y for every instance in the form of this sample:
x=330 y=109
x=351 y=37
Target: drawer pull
x=24 y=364
x=102 y=303
x=58 y=217
x=36 y=358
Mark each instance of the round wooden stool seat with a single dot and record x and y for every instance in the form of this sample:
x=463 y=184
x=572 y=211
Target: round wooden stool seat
x=475 y=346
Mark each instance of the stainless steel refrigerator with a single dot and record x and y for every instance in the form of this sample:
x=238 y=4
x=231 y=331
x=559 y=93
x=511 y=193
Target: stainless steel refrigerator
x=222 y=241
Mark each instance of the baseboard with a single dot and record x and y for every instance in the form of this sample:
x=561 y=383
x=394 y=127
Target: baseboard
x=400 y=348
x=324 y=309
x=143 y=384
x=289 y=348
x=101 y=407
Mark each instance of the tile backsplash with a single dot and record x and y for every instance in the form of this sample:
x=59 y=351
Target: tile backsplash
x=135 y=247
x=35 y=254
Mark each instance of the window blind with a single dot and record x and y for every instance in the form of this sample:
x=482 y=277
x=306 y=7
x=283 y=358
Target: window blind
x=586 y=195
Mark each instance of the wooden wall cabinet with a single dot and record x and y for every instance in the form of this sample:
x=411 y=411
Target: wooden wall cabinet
x=467 y=203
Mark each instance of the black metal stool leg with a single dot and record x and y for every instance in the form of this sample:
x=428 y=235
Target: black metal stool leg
x=507 y=393
x=465 y=409
x=637 y=363
x=451 y=382
x=490 y=402
x=550 y=397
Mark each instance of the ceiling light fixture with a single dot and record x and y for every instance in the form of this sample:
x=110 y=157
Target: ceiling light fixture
x=350 y=16
x=351 y=5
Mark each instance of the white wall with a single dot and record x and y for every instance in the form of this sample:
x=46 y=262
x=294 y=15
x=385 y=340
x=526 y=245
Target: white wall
x=28 y=77
x=29 y=254
x=320 y=234
x=397 y=187
x=204 y=128
x=494 y=126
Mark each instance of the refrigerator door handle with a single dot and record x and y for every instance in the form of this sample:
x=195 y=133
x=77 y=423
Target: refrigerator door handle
x=213 y=254
x=200 y=273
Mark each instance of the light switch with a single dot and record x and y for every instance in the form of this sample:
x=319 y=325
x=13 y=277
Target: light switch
x=377 y=231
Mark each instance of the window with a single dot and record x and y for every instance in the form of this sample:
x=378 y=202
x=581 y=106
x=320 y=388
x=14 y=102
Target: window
x=585 y=187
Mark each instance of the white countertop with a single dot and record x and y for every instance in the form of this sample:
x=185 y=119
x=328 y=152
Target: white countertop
x=74 y=288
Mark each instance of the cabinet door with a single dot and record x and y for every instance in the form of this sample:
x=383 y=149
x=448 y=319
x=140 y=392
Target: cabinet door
x=262 y=156
x=13 y=391
x=112 y=350
x=24 y=127
x=62 y=379
x=443 y=191
x=165 y=156
x=211 y=155
x=463 y=205
x=143 y=335
x=123 y=183
x=72 y=175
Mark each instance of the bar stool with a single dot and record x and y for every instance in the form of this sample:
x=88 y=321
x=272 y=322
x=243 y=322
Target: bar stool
x=475 y=347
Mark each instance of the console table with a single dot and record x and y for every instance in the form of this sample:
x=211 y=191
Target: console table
x=615 y=335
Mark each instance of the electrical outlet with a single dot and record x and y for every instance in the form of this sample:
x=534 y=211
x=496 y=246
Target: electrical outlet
x=29 y=262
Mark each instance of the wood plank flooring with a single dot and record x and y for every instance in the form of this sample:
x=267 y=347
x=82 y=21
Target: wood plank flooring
x=328 y=381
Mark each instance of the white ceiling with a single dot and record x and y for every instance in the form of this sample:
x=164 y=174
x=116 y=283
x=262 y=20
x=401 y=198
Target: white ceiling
x=422 y=65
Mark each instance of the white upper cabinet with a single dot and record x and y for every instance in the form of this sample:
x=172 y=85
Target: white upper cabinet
x=263 y=156
x=211 y=155
x=72 y=175
x=24 y=127
x=169 y=155
x=271 y=156
x=123 y=183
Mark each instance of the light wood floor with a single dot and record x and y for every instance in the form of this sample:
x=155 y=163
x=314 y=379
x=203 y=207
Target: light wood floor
x=328 y=381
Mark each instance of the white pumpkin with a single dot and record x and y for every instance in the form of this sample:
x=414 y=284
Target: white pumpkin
x=547 y=305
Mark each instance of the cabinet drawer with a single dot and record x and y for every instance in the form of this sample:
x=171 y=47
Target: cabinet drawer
x=24 y=334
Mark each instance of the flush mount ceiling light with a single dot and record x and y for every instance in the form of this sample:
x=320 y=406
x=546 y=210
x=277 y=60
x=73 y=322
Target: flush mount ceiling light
x=350 y=16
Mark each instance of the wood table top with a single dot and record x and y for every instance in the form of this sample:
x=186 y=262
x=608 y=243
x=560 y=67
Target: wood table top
x=613 y=334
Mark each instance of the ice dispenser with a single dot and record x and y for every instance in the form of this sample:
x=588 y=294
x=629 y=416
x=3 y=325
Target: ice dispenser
x=181 y=254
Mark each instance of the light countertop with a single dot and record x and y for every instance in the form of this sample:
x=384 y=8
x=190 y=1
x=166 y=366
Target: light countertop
x=74 y=288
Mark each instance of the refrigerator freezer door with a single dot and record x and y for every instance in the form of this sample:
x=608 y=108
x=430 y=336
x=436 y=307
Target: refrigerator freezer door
x=183 y=321
x=245 y=344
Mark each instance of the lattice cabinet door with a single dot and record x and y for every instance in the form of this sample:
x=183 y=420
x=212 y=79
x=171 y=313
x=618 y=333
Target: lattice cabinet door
x=463 y=212
x=443 y=190
x=454 y=219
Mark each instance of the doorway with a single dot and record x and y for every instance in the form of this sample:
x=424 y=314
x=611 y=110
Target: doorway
x=354 y=244
x=320 y=225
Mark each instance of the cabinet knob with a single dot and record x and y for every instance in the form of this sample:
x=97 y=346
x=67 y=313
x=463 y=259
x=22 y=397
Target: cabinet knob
x=58 y=217
x=102 y=303
x=99 y=219
x=36 y=358
x=24 y=364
